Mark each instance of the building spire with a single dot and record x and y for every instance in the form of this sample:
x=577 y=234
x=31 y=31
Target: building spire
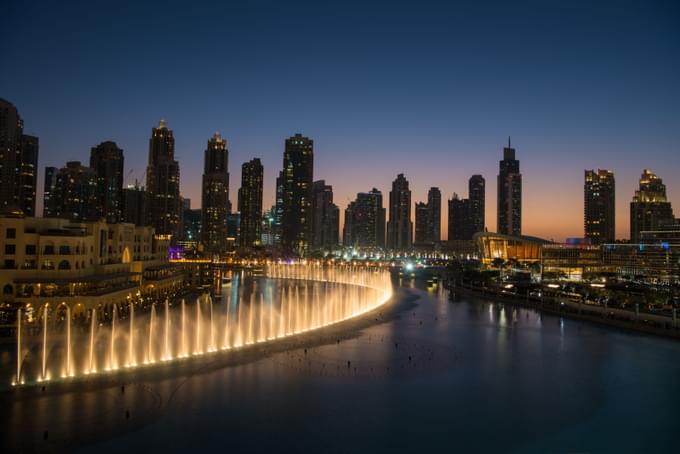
x=509 y=146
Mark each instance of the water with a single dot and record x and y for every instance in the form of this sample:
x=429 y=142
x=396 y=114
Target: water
x=431 y=375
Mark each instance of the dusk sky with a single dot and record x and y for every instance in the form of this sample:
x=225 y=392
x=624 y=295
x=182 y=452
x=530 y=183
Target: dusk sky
x=429 y=91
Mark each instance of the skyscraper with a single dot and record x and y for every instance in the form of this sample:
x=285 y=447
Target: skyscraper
x=298 y=175
x=365 y=221
x=106 y=160
x=277 y=214
x=18 y=163
x=422 y=224
x=75 y=193
x=460 y=222
x=599 y=209
x=434 y=216
x=162 y=183
x=28 y=174
x=325 y=216
x=466 y=216
x=477 y=197
x=250 y=203
x=400 y=227
x=134 y=204
x=215 y=195
x=649 y=208
x=509 y=194
x=49 y=192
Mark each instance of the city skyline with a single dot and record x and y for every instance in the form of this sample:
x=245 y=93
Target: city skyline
x=598 y=92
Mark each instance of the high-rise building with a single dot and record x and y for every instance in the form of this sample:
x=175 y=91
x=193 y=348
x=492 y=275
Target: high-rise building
x=298 y=175
x=278 y=210
x=49 y=192
x=162 y=183
x=422 y=224
x=75 y=193
x=28 y=174
x=250 y=203
x=650 y=208
x=466 y=216
x=460 y=221
x=599 y=209
x=325 y=216
x=509 y=194
x=106 y=160
x=268 y=227
x=365 y=221
x=400 y=227
x=434 y=216
x=18 y=163
x=134 y=205
x=215 y=195
x=477 y=197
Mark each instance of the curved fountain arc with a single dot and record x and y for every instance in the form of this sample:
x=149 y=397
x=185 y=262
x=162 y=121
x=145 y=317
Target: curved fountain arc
x=346 y=293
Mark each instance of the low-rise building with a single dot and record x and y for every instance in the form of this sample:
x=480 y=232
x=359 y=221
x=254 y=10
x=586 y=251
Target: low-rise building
x=84 y=265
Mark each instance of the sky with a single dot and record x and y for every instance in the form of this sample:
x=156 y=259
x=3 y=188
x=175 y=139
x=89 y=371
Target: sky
x=431 y=90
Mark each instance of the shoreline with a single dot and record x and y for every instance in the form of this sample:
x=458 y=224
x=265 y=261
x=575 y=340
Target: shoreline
x=550 y=308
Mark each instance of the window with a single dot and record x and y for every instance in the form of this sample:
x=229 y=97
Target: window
x=64 y=265
x=49 y=249
x=48 y=265
x=8 y=289
x=10 y=249
x=64 y=250
x=30 y=249
x=11 y=233
x=9 y=264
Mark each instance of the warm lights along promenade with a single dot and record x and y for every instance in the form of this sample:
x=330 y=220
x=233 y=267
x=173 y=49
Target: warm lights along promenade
x=290 y=300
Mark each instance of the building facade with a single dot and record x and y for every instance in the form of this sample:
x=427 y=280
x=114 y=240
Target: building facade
x=477 y=198
x=509 y=194
x=400 y=226
x=422 y=224
x=325 y=217
x=599 y=206
x=215 y=195
x=162 y=183
x=459 y=219
x=83 y=265
x=106 y=161
x=74 y=195
x=298 y=177
x=650 y=208
x=250 y=203
x=365 y=221
x=18 y=163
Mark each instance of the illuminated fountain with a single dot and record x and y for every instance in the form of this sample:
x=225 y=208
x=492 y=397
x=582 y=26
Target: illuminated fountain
x=290 y=300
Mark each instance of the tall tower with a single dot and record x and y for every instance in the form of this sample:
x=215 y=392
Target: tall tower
x=106 y=160
x=162 y=183
x=298 y=176
x=599 y=208
x=50 y=192
x=325 y=216
x=18 y=163
x=365 y=221
x=250 y=203
x=75 y=193
x=459 y=219
x=509 y=194
x=650 y=208
x=422 y=224
x=477 y=204
x=215 y=195
x=400 y=227
x=434 y=216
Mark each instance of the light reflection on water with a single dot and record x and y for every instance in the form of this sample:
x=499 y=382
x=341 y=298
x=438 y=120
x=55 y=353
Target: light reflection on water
x=466 y=374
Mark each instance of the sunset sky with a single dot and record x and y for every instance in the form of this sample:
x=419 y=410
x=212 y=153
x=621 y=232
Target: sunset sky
x=432 y=92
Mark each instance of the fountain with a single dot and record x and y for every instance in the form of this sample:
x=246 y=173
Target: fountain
x=289 y=300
